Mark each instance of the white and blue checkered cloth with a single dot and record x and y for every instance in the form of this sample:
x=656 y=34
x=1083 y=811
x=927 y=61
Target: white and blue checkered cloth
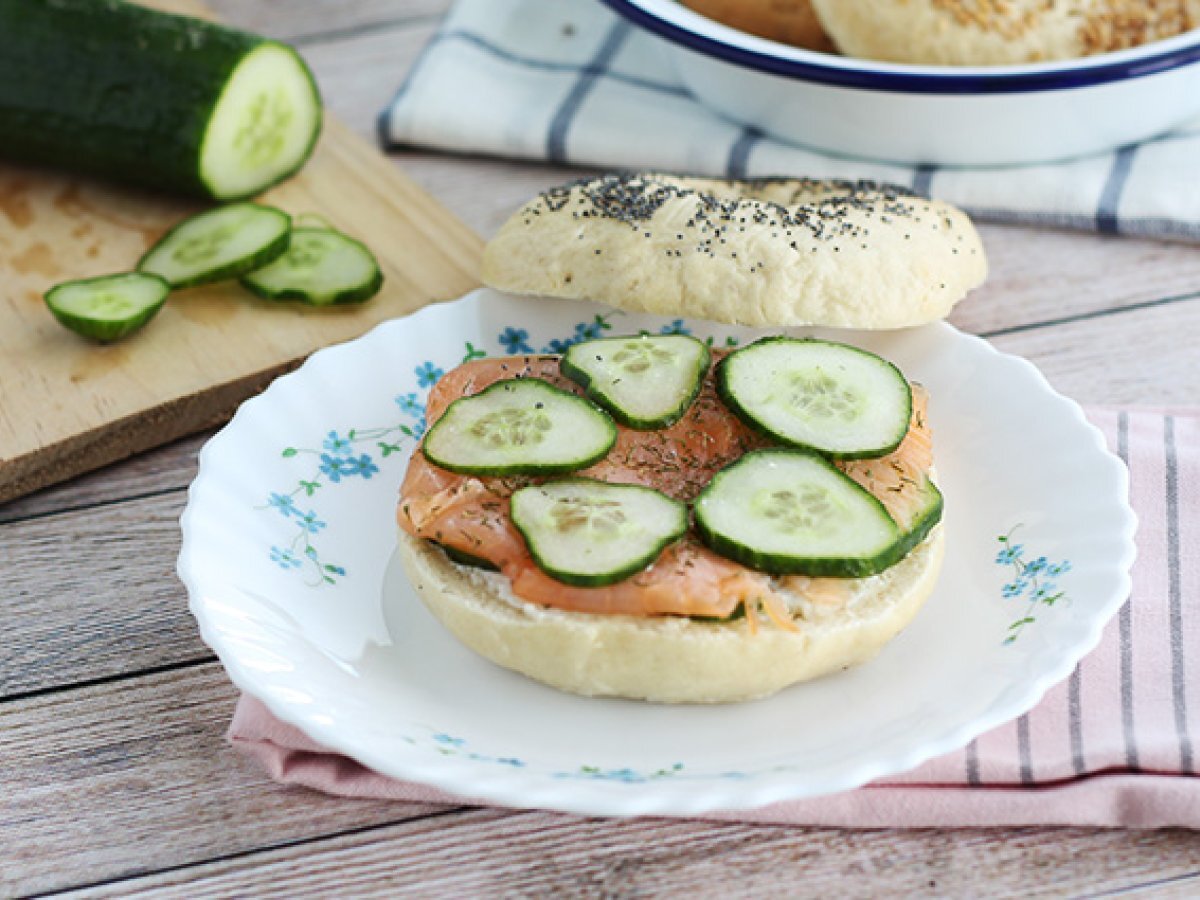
x=569 y=82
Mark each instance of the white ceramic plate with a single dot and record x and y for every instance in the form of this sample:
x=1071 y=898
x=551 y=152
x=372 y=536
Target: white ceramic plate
x=288 y=561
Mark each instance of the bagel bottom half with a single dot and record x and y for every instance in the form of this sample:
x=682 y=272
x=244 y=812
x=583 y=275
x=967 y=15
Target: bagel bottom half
x=667 y=659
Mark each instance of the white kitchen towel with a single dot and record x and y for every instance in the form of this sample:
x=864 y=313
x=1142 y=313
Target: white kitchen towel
x=570 y=82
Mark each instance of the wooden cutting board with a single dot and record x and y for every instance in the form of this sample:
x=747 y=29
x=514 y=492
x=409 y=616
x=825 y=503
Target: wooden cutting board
x=68 y=405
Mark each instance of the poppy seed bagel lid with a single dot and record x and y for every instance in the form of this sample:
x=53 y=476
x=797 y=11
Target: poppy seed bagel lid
x=773 y=251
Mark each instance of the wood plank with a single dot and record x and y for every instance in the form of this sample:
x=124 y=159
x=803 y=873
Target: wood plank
x=1127 y=357
x=1039 y=275
x=136 y=777
x=547 y=855
x=169 y=468
x=92 y=594
x=307 y=21
x=82 y=406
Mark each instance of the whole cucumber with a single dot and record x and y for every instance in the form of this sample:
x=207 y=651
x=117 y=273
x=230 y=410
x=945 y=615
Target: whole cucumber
x=112 y=89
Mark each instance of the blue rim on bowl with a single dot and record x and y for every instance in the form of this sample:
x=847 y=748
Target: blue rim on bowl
x=680 y=25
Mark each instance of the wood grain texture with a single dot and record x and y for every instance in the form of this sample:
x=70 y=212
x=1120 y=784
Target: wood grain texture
x=549 y=855
x=314 y=21
x=81 y=406
x=169 y=468
x=92 y=594
x=135 y=777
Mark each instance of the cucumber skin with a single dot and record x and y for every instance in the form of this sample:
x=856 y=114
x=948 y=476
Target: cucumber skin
x=462 y=558
x=924 y=523
x=116 y=90
x=773 y=564
x=727 y=397
x=584 y=380
x=234 y=269
x=574 y=579
x=109 y=332
x=353 y=295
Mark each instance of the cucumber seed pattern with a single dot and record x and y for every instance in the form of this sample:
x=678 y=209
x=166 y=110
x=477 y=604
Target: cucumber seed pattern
x=792 y=512
x=601 y=517
x=820 y=396
x=512 y=427
x=639 y=356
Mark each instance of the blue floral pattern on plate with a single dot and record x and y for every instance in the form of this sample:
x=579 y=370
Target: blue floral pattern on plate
x=1032 y=580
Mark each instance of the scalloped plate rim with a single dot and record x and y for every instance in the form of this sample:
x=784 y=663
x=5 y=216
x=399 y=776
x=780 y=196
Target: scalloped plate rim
x=591 y=798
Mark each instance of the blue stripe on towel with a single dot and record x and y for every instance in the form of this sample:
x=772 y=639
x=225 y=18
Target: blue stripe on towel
x=556 y=137
x=739 y=153
x=1107 y=220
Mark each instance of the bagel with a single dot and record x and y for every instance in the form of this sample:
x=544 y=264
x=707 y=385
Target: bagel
x=787 y=21
x=667 y=658
x=989 y=32
x=778 y=251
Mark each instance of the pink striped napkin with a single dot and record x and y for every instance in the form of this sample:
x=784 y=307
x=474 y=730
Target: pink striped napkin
x=1113 y=745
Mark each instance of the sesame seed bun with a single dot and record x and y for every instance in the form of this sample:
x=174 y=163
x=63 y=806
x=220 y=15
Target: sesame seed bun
x=669 y=659
x=778 y=251
x=986 y=32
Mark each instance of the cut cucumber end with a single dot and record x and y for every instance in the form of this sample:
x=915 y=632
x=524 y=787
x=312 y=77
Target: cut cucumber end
x=221 y=243
x=264 y=126
x=321 y=267
x=110 y=307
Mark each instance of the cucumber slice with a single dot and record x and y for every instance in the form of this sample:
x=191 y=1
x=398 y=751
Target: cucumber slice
x=644 y=381
x=520 y=426
x=222 y=243
x=792 y=512
x=591 y=533
x=833 y=398
x=321 y=267
x=109 y=307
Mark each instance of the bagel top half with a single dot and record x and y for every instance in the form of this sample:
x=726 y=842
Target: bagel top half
x=779 y=251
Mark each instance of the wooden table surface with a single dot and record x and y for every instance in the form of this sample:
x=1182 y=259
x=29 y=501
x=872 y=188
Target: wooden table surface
x=115 y=774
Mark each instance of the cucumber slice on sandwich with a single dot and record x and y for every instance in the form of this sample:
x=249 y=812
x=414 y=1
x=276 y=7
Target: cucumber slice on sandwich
x=321 y=267
x=793 y=512
x=591 y=533
x=644 y=381
x=109 y=307
x=222 y=243
x=519 y=426
x=819 y=395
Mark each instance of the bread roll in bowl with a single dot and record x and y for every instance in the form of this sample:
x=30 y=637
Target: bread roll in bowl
x=792 y=22
x=778 y=251
x=668 y=659
x=985 y=32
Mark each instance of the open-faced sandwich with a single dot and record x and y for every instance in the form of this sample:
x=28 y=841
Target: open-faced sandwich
x=644 y=517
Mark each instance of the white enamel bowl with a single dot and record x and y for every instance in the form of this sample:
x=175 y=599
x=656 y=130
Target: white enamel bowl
x=935 y=115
